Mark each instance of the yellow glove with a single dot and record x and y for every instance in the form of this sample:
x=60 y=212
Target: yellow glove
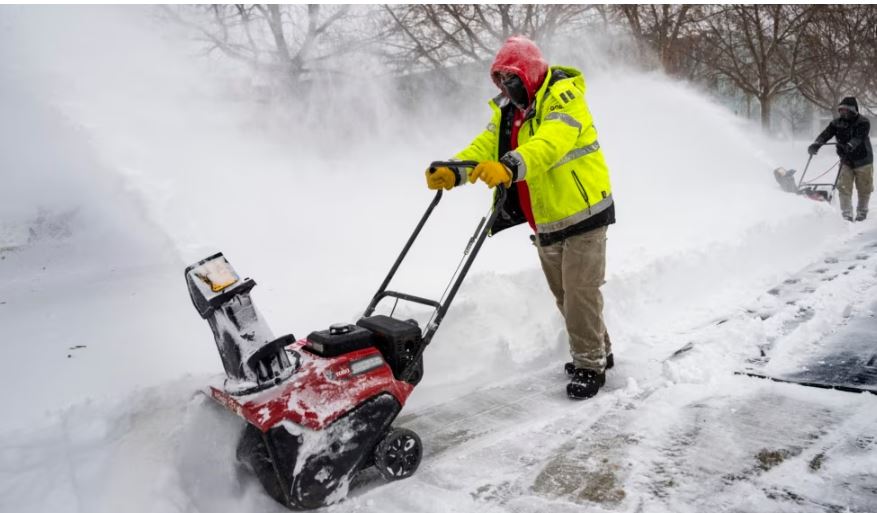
x=440 y=178
x=492 y=173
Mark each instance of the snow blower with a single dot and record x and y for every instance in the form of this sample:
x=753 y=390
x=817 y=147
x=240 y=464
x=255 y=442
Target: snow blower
x=819 y=191
x=319 y=410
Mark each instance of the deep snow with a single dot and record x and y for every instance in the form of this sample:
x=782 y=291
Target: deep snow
x=143 y=167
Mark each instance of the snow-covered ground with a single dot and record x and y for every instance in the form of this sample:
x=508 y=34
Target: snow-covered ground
x=123 y=163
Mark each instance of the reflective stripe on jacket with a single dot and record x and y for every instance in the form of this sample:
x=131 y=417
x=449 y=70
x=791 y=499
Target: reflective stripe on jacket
x=557 y=154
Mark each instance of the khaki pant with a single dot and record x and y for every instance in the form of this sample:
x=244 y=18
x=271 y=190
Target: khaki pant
x=863 y=177
x=575 y=269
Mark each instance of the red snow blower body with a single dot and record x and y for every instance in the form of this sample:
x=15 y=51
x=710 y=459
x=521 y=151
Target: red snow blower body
x=320 y=409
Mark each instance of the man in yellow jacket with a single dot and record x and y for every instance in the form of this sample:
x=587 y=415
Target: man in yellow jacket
x=542 y=144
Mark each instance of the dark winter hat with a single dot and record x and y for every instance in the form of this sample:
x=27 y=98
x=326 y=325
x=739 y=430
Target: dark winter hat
x=849 y=103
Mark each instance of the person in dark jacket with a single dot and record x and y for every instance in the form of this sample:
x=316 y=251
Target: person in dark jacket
x=852 y=132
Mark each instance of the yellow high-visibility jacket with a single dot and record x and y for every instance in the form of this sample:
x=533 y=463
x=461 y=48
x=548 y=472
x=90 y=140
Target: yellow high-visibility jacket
x=557 y=154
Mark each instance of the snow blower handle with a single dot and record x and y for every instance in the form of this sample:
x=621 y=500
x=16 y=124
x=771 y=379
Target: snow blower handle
x=451 y=163
x=806 y=166
x=469 y=254
x=472 y=250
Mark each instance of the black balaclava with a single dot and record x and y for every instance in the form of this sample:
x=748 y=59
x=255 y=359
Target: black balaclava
x=850 y=108
x=516 y=91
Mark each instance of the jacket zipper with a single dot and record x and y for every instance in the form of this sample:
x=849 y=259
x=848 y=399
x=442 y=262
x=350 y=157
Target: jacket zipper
x=531 y=115
x=582 y=190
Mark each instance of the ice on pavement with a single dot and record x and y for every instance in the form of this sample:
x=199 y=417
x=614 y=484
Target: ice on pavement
x=162 y=167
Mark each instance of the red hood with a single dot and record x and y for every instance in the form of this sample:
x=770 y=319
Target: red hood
x=522 y=57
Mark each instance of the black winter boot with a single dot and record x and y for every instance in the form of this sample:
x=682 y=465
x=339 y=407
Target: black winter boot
x=570 y=367
x=585 y=384
x=861 y=216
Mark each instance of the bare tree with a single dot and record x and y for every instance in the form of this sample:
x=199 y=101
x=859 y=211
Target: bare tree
x=760 y=52
x=834 y=54
x=434 y=36
x=753 y=47
x=670 y=31
x=291 y=41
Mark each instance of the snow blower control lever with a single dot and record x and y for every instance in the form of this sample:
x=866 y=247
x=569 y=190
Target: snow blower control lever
x=320 y=409
x=471 y=251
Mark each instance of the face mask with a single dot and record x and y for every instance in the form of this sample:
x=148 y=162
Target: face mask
x=514 y=88
x=846 y=114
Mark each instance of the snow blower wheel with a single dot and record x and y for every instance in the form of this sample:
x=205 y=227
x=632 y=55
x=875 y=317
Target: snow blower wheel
x=398 y=455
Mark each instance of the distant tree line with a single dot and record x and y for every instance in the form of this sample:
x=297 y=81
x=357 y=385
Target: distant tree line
x=761 y=52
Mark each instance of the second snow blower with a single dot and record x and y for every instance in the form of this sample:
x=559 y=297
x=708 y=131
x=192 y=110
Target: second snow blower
x=819 y=191
x=321 y=409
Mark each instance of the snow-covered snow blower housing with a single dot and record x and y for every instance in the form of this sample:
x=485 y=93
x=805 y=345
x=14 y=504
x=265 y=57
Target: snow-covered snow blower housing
x=819 y=191
x=320 y=409
x=253 y=359
x=815 y=191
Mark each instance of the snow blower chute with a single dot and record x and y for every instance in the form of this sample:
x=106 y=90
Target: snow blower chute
x=321 y=409
x=819 y=191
